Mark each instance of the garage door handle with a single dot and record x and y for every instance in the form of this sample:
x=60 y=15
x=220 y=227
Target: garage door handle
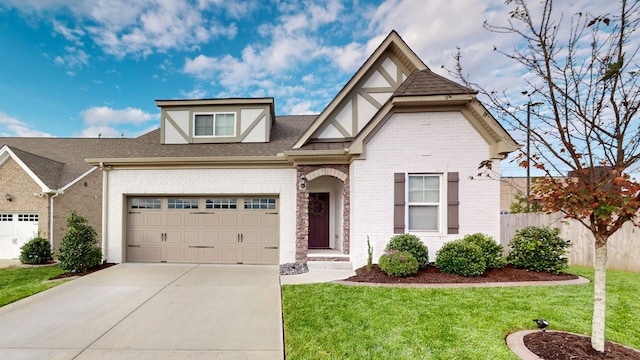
x=200 y=247
x=135 y=212
x=133 y=245
x=271 y=247
x=272 y=213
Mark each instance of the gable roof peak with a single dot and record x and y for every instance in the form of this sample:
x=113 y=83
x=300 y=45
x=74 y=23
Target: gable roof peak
x=426 y=82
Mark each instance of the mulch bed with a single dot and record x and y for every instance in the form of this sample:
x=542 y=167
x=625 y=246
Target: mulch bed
x=432 y=275
x=549 y=346
x=89 y=271
x=564 y=346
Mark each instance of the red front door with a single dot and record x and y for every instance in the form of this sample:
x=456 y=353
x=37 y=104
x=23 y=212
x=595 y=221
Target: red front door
x=318 y=220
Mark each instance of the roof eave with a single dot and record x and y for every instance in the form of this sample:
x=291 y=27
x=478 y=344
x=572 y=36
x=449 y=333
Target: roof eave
x=189 y=161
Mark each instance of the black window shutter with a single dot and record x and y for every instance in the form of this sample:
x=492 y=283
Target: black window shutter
x=453 y=204
x=398 y=203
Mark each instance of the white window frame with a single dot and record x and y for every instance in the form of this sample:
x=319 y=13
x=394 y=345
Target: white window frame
x=214 y=115
x=440 y=204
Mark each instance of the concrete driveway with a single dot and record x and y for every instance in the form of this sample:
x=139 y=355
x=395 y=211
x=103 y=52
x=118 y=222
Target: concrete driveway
x=151 y=311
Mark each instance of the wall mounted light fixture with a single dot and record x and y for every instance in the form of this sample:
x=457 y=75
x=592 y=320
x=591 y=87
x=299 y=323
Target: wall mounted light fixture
x=8 y=197
x=303 y=182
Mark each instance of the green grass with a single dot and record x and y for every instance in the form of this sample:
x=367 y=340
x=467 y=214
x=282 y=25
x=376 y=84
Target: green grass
x=330 y=321
x=17 y=283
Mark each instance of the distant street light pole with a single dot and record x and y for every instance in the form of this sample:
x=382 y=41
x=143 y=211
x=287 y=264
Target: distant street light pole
x=529 y=105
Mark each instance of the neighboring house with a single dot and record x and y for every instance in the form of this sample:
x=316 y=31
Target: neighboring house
x=41 y=181
x=227 y=181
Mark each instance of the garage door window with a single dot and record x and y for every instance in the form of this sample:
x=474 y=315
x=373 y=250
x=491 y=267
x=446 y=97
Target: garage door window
x=137 y=203
x=28 y=217
x=6 y=217
x=183 y=203
x=222 y=203
x=260 y=203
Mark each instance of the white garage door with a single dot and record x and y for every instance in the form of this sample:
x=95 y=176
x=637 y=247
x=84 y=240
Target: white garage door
x=15 y=230
x=232 y=230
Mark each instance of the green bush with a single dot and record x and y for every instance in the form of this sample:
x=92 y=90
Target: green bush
x=35 y=251
x=412 y=244
x=460 y=257
x=538 y=249
x=398 y=263
x=79 y=249
x=491 y=250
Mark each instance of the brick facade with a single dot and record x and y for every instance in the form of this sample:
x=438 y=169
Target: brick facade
x=432 y=143
x=17 y=183
x=85 y=197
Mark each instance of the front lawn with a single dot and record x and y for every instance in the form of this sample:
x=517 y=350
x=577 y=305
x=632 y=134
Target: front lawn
x=330 y=321
x=18 y=282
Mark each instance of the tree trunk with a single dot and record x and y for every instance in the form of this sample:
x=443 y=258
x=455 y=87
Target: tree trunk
x=599 y=294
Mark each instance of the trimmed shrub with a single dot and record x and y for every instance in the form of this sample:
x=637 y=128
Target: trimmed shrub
x=35 y=251
x=538 y=249
x=398 y=263
x=491 y=250
x=412 y=244
x=461 y=258
x=79 y=249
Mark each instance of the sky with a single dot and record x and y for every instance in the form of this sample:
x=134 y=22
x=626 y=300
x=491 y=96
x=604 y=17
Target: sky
x=89 y=68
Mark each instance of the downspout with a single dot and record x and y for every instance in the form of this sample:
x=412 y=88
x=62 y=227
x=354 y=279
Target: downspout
x=51 y=217
x=105 y=193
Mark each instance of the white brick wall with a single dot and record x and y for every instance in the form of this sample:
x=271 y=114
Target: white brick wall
x=281 y=182
x=434 y=142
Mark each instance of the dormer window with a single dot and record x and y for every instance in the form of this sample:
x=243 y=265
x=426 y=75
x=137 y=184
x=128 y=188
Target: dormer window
x=214 y=124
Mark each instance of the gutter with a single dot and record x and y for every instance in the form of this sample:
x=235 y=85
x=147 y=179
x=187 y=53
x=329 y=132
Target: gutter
x=55 y=194
x=105 y=207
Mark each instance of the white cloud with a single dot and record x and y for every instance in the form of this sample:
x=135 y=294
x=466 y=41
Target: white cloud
x=103 y=115
x=73 y=59
x=140 y=27
x=15 y=127
x=73 y=35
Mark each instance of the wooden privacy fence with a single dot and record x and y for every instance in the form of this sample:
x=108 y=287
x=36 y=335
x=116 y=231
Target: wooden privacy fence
x=623 y=246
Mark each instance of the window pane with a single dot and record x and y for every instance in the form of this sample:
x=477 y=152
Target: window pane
x=204 y=125
x=424 y=189
x=225 y=124
x=423 y=218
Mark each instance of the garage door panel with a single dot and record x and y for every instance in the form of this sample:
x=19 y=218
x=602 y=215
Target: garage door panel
x=175 y=219
x=212 y=237
x=191 y=237
x=230 y=237
x=143 y=253
x=229 y=220
x=269 y=220
x=250 y=220
x=210 y=255
x=154 y=219
x=229 y=255
x=174 y=254
x=173 y=237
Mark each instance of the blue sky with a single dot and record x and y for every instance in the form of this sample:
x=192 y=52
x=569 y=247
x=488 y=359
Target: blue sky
x=79 y=68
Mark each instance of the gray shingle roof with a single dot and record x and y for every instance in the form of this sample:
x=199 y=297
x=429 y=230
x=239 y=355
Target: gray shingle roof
x=426 y=82
x=58 y=161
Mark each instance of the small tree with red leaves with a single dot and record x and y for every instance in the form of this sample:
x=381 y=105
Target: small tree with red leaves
x=581 y=73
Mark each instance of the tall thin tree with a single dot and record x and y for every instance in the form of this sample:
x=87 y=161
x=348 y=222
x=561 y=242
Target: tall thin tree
x=582 y=70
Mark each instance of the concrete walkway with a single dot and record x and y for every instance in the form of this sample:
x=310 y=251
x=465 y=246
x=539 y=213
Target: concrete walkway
x=151 y=311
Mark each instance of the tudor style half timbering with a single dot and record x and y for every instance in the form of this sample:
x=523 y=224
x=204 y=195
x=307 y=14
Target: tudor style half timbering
x=373 y=90
x=216 y=121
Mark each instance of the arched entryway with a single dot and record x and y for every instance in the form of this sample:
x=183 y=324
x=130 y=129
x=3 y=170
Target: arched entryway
x=323 y=217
